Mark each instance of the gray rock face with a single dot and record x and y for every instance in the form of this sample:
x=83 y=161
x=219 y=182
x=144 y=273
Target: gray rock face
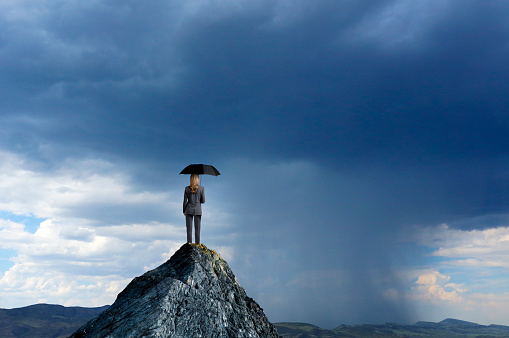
x=194 y=294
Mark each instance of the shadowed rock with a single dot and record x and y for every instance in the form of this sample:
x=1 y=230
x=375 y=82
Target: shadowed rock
x=194 y=294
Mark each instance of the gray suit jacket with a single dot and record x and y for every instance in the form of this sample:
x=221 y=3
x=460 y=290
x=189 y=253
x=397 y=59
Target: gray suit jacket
x=192 y=202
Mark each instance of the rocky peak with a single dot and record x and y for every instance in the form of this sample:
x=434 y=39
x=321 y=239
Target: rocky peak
x=194 y=294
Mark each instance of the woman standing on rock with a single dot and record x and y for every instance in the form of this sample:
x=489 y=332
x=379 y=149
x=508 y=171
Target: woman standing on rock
x=194 y=196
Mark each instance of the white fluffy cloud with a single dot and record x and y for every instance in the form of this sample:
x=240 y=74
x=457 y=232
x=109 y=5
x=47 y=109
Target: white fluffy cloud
x=469 y=281
x=436 y=291
x=482 y=248
x=434 y=287
x=85 y=191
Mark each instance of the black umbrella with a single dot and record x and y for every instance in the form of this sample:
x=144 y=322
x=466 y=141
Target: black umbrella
x=200 y=169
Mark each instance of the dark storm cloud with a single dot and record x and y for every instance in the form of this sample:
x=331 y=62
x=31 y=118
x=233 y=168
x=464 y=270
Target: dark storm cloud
x=265 y=75
x=311 y=91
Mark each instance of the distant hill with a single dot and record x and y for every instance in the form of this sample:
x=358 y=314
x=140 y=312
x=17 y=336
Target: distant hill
x=444 y=329
x=44 y=320
x=56 y=321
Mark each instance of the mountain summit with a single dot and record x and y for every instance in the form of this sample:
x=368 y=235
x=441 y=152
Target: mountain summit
x=194 y=294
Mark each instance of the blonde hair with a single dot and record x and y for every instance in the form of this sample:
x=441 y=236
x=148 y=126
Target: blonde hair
x=195 y=182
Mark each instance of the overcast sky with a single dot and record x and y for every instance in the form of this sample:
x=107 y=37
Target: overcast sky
x=363 y=148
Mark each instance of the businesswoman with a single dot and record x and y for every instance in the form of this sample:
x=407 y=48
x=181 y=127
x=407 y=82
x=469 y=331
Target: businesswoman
x=194 y=196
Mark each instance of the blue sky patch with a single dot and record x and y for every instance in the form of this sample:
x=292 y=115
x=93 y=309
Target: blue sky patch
x=31 y=223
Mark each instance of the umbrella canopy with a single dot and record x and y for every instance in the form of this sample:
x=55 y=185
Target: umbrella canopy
x=200 y=169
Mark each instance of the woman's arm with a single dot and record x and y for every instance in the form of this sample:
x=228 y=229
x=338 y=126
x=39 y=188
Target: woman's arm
x=185 y=202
